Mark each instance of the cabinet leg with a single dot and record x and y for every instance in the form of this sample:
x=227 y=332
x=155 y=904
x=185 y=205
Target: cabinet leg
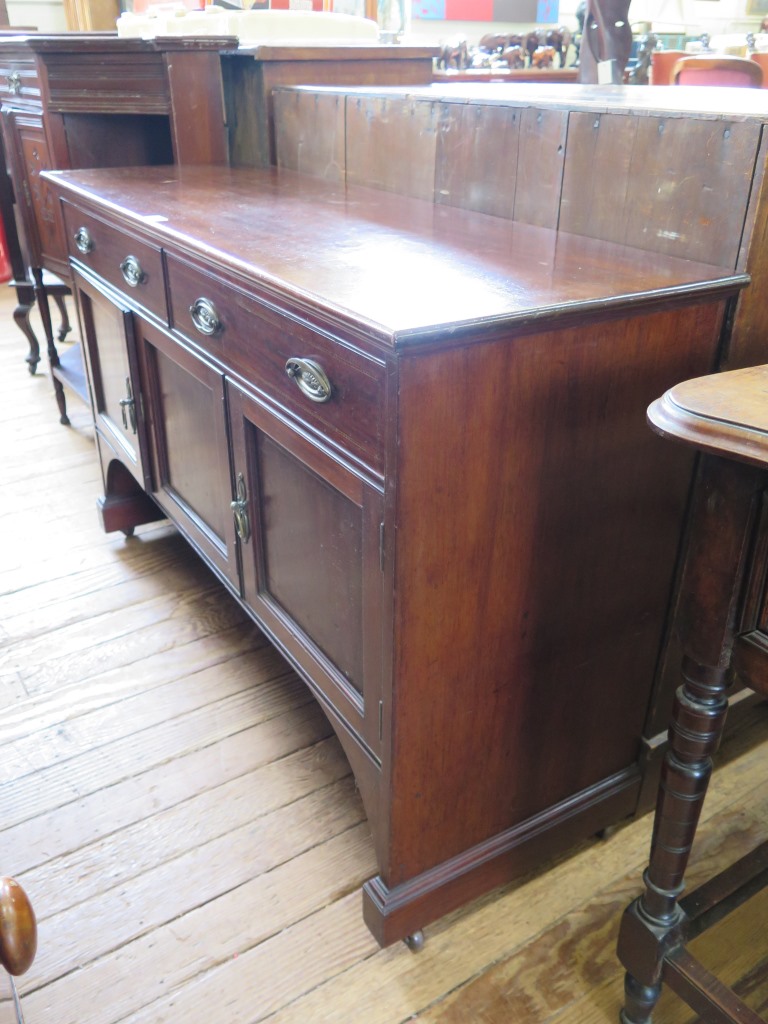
x=64 y=326
x=25 y=297
x=53 y=355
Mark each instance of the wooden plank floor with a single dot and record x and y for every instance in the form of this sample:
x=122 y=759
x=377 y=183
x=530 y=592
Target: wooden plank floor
x=186 y=825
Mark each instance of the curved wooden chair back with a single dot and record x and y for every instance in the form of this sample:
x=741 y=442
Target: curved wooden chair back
x=732 y=71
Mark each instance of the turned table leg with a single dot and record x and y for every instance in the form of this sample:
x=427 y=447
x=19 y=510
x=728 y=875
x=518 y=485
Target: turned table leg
x=721 y=525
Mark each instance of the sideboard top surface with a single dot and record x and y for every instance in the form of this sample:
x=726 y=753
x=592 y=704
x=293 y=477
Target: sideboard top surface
x=405 y=269
x=110 y=43
x=716 y=103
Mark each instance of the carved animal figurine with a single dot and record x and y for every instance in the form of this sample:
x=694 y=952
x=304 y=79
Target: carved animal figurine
x=492 y=43
x=607 y=37
x=531 y=43
x=639 y=74
x=554 y=38
x=566 y=38
x=497 y=43
x=454 y=55
x=514 y=57
x=543 y=57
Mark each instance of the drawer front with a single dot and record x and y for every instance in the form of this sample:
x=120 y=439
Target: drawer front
x=117 y=83
x=132 y=267
x=19 y=82
x=262 y=344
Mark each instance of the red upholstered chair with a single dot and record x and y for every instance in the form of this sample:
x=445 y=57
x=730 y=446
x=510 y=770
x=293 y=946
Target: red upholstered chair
x=761 y=59
x=662 y=62
x=701 y=70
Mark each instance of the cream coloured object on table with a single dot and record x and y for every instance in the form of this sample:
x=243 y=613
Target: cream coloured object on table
x=251 y=27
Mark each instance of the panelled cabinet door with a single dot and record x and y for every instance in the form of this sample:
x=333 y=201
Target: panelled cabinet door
x=184 y=405
x=110 y=353
x=310 y=534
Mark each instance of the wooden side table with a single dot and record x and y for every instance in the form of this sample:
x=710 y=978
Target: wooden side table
x=724 y=416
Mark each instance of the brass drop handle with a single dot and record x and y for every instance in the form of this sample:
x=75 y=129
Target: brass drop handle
x=311 y=378
x=132 y=271
x=83 y=240
x=13 y=81
x=204 y=316
x=240 y=511
x=128 y=407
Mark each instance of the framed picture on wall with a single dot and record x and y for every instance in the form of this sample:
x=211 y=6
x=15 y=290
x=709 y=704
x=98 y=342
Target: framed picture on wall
x=541 y=11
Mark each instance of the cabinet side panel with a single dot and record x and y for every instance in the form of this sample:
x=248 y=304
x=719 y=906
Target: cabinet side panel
x=748 y=344
x=391 y=144
x=310 y=134
x=540 y=164
x=673 y=185
x=477 y=151
x=538 y=527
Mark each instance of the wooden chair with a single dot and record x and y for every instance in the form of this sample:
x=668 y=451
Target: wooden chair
x=662 y=63
x=723 y=636
x=701 y=70
x=18 y=934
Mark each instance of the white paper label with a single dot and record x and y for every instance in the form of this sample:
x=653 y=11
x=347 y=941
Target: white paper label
x=605 y=72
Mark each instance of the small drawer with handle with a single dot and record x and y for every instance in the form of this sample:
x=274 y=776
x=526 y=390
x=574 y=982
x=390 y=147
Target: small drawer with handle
x=19 y=82
x=337 y=389
x=133 y=267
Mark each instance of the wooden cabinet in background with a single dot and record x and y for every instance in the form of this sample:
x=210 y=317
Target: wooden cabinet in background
x=91 y=100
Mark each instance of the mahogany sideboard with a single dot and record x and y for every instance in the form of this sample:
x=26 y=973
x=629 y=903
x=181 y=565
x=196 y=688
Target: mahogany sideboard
x=410 y=439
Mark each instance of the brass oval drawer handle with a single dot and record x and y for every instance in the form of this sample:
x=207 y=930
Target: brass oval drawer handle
x=13 y=81
x=83 y=240
x=131 y=270
x=311 y=378
x=204 y=316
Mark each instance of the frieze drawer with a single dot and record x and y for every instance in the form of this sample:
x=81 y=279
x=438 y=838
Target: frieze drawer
x=19 y=82
x=336 y=389
x=133 y=267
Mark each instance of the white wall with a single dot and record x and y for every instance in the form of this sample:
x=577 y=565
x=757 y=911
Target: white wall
x=44 y=15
